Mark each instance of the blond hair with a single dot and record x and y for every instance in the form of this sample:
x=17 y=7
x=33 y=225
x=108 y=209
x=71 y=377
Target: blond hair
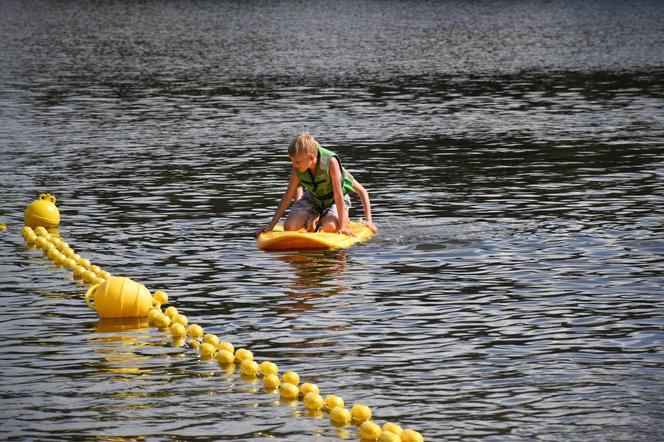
x=303 y=143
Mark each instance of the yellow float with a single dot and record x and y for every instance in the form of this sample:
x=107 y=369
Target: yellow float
x=288 y=390
x=228 y=347
x=291 y=377
x=393 y=428
x=370 y=430
x=411 y=436
x=178 y=330
x=340 y=415
x=308 y=387
x=210 y=338
x=278 y=239
x=207 y=350
x=271 y=382
x=332 y=401
x=42 y=212
x=313 y=401
x=195 y=331
x=161 y=297
x=242 y=353
x=360 y=413
x=388 y=436
x=249 y=367
x=29 y=235
x=225 y=357
x=120 y=297
x=268 y=367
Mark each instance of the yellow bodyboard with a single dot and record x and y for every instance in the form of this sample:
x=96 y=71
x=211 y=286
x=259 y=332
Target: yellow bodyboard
x=277 y=239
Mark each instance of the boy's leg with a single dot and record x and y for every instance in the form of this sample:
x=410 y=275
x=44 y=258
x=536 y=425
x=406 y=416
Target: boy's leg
x=302 y=210
x=298 y=194
x=330 y=221
x=294 y=221
x=312 y=222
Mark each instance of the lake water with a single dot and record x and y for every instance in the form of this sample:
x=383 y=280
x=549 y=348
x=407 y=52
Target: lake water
x=514 y=155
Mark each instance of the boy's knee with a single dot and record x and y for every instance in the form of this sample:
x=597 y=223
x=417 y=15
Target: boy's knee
x=329 y=227
x=290 y=225
x=293 y=223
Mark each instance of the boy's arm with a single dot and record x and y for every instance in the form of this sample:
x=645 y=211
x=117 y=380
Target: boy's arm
x=293 y=184
x=335 y=178
x=366 y=204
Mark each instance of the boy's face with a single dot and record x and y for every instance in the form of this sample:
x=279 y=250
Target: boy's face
x=304 y=161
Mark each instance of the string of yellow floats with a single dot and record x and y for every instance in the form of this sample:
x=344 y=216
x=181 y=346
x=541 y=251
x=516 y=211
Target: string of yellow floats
x=115 y=296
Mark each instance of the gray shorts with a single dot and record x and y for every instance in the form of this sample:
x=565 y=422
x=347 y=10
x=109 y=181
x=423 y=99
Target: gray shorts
x=306 y=207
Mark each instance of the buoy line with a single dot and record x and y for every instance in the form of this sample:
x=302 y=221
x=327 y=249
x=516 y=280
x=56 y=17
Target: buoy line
x=118 y=297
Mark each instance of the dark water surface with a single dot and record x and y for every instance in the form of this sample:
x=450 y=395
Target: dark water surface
x=514 y=155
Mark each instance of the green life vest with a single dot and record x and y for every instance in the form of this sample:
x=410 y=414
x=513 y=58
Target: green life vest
x=319 y=184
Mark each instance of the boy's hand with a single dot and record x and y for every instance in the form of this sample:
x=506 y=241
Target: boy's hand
x=346 y=232
x=263 y=229
x=372 y=226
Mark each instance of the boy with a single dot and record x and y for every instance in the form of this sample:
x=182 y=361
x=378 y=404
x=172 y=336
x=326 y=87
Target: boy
x=325 y=201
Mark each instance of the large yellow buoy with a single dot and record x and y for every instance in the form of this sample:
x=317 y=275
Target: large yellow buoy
x=120 y=297
x=42 y=212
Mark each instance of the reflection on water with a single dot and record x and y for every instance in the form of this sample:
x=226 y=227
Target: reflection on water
x=113 y=327
x=315 y=270
x=118 y=345
x=118 y=325
x=314 y=275
x=513 y=153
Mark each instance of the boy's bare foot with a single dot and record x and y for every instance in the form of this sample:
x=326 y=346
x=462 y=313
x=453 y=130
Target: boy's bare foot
x=312 y=222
